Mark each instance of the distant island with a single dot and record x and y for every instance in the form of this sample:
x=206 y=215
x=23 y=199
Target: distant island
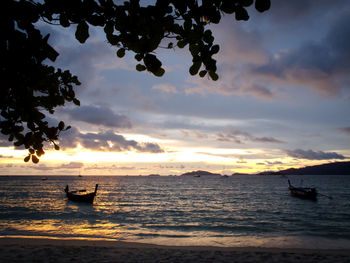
x=200 y=173
x=336 y=168
x=153 y=175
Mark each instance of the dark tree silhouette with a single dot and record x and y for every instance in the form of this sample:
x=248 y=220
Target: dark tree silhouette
x=30 y=88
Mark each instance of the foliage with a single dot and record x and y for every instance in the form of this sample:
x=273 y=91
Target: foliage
x=32 y=88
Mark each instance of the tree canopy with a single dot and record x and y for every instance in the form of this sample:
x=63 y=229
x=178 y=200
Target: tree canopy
x=32 y=89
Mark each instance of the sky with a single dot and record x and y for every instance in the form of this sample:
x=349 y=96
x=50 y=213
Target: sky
x=282 y=100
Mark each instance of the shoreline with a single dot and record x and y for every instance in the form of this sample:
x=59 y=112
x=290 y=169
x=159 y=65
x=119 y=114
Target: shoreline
x=28 y=249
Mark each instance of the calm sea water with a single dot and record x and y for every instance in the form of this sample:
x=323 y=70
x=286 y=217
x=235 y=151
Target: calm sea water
x=233 y=211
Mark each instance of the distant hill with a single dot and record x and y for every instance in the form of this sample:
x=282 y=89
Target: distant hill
x=200 y=173
x=240 y=174
x=337 y=168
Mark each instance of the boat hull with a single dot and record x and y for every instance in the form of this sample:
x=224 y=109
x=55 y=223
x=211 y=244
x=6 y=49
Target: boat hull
x=303 y=192
x=86 y=198
x=75 y=196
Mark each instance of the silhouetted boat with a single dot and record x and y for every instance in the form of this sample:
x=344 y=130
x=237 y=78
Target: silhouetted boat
x=303 y=192
x=81 y=195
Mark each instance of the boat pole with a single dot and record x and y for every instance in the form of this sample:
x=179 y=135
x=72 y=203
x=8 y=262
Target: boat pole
x=329 y=197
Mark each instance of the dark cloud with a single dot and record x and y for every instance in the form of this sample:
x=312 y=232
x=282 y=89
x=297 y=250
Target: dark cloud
x=5 y=156
x=246 y=68
x=149 y=147
x=320 y=65
x=312 y=155
x=232 y=81
x=69 y=138
x=240 y=48
x=195 y=133
x=266 y=140
x=99 y=115
x=108 y=167
x=259 y=91
x=106 y=141
x=345 y=130
x=4 y=142
x=286 y=11
x=273 y=163
x=71 y=165
x=88 y=60
x=241 y=137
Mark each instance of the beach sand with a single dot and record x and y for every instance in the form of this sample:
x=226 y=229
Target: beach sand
x=65 y=250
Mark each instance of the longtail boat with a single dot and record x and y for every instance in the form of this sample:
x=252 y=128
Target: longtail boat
x=81 y=195
x=303 y=192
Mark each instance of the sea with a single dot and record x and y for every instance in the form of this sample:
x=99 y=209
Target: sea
x=234 y=211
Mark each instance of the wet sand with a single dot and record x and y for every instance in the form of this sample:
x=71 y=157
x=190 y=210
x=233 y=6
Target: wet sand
x=66 y=250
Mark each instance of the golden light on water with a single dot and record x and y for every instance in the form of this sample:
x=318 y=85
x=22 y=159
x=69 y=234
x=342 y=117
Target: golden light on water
x=77 y=228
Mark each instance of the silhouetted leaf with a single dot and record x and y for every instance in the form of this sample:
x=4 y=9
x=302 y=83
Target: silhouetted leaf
x=195 y=68
x=215 y=49
x=35 y=159
x=187 y=24
x=113 y=39
x=202 y=73
x=31 y=125
x=82 y=32
x=61 y=125
x=138 y=57
x=52 y=54
x=182 y=43
x=18 y=143
x=208 y=38
x=76 y=102
x=241 y=13
x=247 y=2
x=108 y=28
x=40 y=152
x=160 y=72
x=262 y=5
x=27 y=158
x=214 y=16
x=228 y=6
x=96 y=20
x=121 y=52
x=64 y=20
x=152 y=62
x=140 y=67
x=213 y=75
x=194 y=49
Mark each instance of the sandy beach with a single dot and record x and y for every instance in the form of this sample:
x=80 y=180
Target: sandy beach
x=65 y=250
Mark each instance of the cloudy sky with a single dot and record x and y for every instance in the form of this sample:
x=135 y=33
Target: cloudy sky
x=282 y=100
